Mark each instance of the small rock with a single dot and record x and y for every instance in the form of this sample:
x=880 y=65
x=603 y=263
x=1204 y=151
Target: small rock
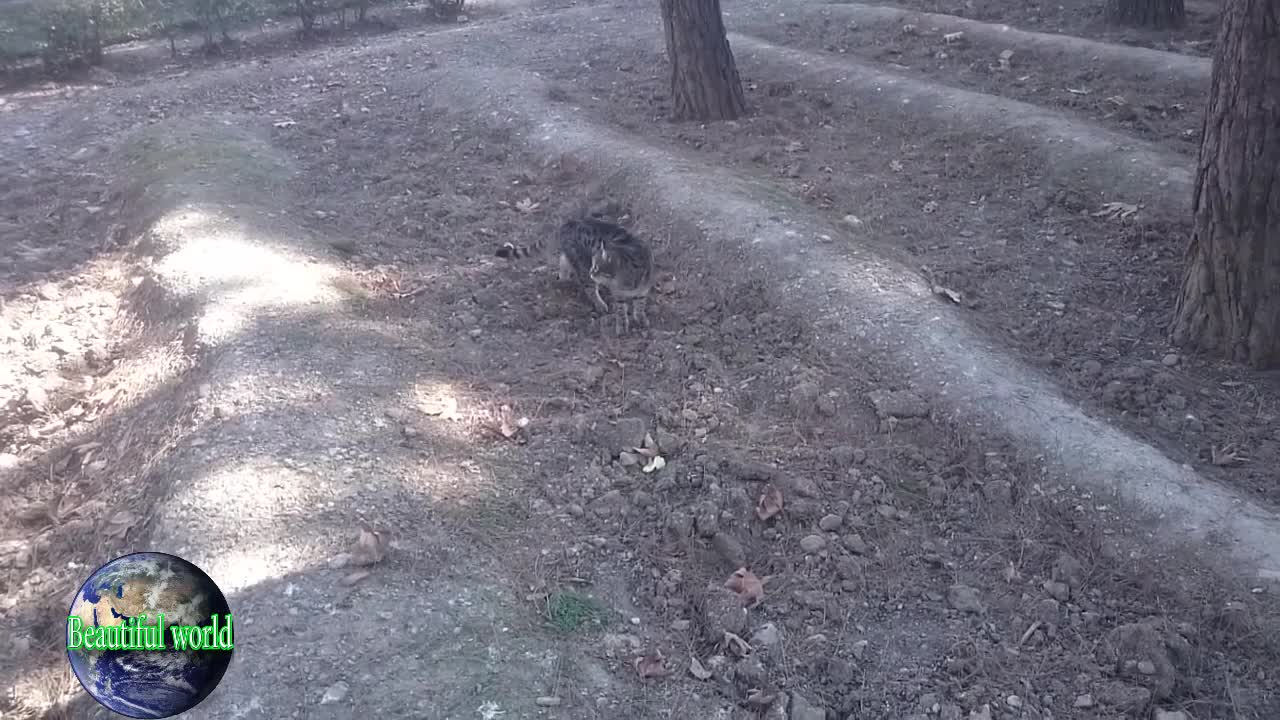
x=855 y=544
x=849 y=568
x=840 y=671
x=1146 y=667
x=1013 y=701
x=1048 y=611
x=669 y=443
x=900 y=404
x=998 y=492
x=1069 y=570
x=950 y=712
x=49 y=291
x=1123 y=697
x=335 y=693
x=722 y=612
x=802 y=709
x=980 y=713
x=1083 y=701
x=1170 y=715
x=804 y=397
x=608 y=503
x=830 y=523
x=1170 y=360
x=843 y=456
x=766 y=637
x=1059 y=591
x=628 y=433
x=728 y=548
x=547 y=701
x=859 y=649
x=965 y=599
x=812 y=543
x=574 y=510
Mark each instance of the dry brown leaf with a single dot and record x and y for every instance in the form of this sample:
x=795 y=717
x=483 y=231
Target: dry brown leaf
x=770 y=502
x=354 y=578
x=697 y=670
x=652 y=665
x=120 y=524
x=736 y=645
x=370 y=547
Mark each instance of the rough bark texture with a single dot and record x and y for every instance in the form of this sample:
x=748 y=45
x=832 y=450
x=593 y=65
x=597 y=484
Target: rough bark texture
x=1230 y=298
x=1156 y=14
x=704 y=78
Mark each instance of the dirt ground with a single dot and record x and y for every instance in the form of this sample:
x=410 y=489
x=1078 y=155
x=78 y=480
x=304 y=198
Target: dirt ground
x=915 y=569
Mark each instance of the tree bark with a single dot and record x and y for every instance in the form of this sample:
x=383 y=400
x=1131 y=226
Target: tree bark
x=1230 y=298
x=704 y=78
x=1154 y=14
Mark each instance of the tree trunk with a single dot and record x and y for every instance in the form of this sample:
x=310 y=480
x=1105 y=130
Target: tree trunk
x=1230 y=299
x=704 y=79
x=1154 y=14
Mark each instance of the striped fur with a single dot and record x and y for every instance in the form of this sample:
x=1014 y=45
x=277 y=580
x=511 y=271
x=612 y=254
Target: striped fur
x=605 y=254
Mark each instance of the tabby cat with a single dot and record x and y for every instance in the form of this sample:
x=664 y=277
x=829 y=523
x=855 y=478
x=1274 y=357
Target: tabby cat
x=610 y=257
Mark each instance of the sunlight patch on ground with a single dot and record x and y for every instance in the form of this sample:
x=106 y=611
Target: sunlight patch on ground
x=241 y=273
x=261 y=506
x=255 y=564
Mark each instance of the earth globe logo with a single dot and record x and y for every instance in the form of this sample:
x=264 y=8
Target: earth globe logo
x=149 y=635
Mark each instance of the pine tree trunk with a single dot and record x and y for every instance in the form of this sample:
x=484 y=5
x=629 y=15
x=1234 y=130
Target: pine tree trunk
x=1154 y=14
x=1230 y=299
x=704 y=78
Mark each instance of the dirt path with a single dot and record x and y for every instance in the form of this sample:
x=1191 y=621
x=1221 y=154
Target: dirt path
x=323 y=338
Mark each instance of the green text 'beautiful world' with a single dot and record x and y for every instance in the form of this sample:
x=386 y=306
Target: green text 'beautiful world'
x=136 y=634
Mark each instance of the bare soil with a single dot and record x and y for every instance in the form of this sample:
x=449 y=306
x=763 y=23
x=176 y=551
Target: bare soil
x=916 y=569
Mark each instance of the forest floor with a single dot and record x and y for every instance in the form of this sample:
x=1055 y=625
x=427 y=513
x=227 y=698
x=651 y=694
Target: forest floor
x=250 y=305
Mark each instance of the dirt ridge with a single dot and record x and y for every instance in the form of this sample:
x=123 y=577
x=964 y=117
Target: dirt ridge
x=1162 y=66
x=1162 y=181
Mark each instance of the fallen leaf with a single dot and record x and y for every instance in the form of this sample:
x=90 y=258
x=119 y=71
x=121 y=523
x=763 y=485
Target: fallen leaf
x=736 y=645
x=770 y=502
x=947 y=293
x=652 y=665
x=527 y=205
x=697 y=670
x=762 y=698
x=370 y=547
x=654 y=465
x=120 y=524
x=747 y=586
x=1116 y=210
